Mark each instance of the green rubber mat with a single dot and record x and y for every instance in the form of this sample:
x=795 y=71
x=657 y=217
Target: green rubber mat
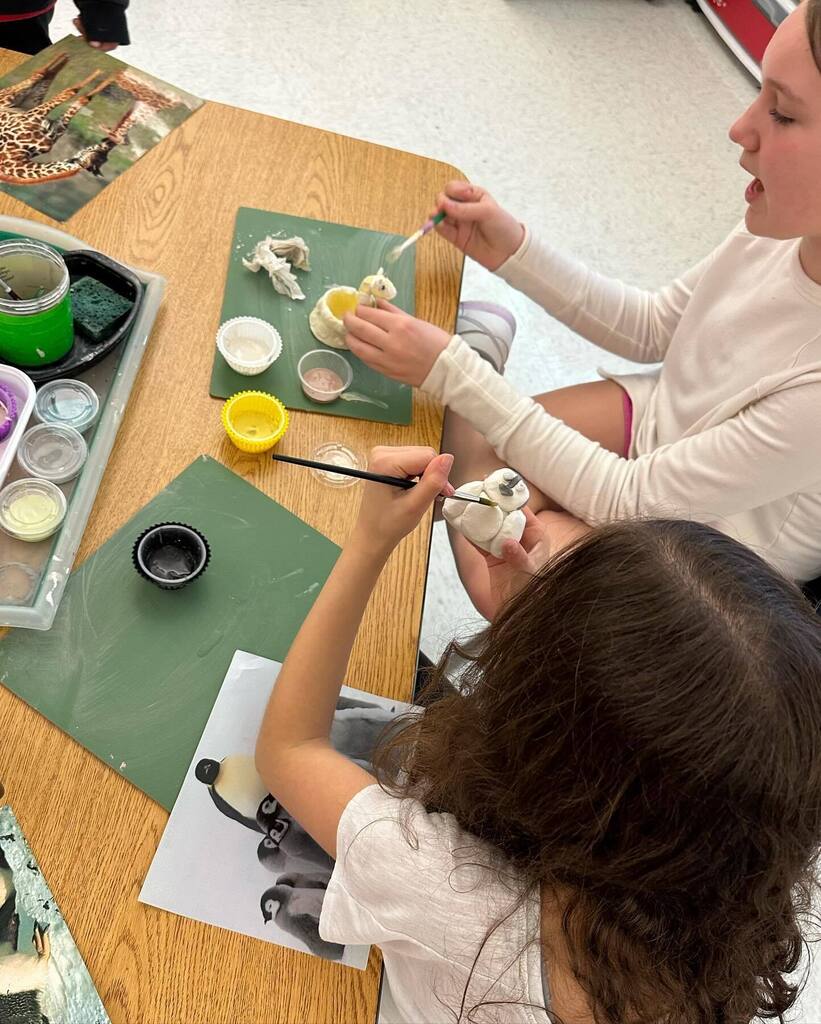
x=132 y=671
x=340 y=255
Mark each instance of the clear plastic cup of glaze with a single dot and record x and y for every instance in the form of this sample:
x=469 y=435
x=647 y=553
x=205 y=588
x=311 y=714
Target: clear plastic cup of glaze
x=324 y=374
x=31 y=509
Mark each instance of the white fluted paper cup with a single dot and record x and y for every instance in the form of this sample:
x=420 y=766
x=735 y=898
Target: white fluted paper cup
x=249 y=345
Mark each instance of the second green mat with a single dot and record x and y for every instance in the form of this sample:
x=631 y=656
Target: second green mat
x=132 y=671
x=339 y=255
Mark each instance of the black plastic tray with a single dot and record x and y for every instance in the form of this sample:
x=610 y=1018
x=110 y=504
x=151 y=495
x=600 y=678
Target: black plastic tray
x=84 y=352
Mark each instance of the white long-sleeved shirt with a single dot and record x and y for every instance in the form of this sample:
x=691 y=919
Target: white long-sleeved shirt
x=727 y=432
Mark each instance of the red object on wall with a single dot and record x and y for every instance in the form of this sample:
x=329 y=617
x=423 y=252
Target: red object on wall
x=746 y=26
x=747 y=22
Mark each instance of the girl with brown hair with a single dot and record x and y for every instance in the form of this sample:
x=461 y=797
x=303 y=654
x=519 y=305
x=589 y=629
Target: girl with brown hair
x=616 y=819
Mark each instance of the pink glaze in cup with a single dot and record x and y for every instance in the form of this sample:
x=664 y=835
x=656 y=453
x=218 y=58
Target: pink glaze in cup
x=324 y=375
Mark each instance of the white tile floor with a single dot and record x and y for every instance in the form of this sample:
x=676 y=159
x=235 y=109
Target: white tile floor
x=602 y=123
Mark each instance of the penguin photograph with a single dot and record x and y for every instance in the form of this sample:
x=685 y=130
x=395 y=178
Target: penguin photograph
x=23 y=976
x=235 y=788
x=259 y=873
x=43 y=979
x=295 y=903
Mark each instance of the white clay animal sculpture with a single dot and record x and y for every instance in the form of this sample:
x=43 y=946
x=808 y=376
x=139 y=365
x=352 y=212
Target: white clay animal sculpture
x=488 y=527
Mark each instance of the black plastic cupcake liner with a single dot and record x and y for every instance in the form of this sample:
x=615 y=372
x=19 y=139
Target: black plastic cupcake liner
x=171 y=555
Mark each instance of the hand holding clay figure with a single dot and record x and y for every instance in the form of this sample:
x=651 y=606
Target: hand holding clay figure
x=393 y=342
x=513 y=541
x=387 y=514
x=475 y=223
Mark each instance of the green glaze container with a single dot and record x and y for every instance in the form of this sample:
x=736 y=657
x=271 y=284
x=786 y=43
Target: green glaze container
x=37 y=328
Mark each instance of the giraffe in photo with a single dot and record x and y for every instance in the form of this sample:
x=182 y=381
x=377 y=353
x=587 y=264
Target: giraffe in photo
x=27 y=134
x=148 y=100
x=30 y=91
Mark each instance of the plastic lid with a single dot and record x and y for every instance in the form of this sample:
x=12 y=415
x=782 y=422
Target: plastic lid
x=52 y=452
x=32 y=509
x=17 y=583
x=337 y=455
x=70 y=403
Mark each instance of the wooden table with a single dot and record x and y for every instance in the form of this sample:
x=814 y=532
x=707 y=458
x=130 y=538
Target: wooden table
x=93 y=833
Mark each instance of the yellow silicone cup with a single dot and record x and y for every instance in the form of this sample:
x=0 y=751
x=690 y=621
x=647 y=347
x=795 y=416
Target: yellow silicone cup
x=254 y=420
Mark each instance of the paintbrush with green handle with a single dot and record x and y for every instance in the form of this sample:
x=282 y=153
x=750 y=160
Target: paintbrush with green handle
x=396 y=252
x=379 y=478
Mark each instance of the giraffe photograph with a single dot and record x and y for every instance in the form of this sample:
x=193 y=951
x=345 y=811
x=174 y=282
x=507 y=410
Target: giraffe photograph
x=72 y=119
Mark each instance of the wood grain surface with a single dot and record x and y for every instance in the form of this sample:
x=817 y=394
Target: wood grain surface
x=93 y=833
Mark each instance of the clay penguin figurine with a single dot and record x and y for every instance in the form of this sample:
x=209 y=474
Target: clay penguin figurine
x=488 y=527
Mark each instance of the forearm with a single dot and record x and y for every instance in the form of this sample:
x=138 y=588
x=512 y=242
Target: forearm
x=756 y=456
x=302 y=704
x=631 y=322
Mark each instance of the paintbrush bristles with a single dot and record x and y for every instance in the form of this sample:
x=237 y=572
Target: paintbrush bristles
x=429 y=225
x=477 y=499
x=397 y=251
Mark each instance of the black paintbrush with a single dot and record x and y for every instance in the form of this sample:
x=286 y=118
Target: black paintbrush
x=361 y=474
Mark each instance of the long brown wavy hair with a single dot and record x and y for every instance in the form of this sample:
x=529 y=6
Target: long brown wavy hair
x=639 y=730
x=813 y=16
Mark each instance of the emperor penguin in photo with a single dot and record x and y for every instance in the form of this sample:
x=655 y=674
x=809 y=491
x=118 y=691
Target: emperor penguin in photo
x=236 y=788
x=239 y=793
x=9 y=918
x=295 y=903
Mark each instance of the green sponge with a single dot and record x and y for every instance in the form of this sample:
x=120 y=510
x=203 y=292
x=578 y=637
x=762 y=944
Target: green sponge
x=96 y=308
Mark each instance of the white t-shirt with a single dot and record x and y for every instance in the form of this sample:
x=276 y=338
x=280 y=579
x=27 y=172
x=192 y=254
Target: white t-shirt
x=428 y=903
x=727 y=432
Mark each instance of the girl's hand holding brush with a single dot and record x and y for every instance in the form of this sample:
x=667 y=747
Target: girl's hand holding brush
x=475 y=223
x=387 y=514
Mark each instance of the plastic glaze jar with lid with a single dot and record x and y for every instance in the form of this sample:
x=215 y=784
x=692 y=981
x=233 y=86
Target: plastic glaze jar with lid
x=32 y=510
